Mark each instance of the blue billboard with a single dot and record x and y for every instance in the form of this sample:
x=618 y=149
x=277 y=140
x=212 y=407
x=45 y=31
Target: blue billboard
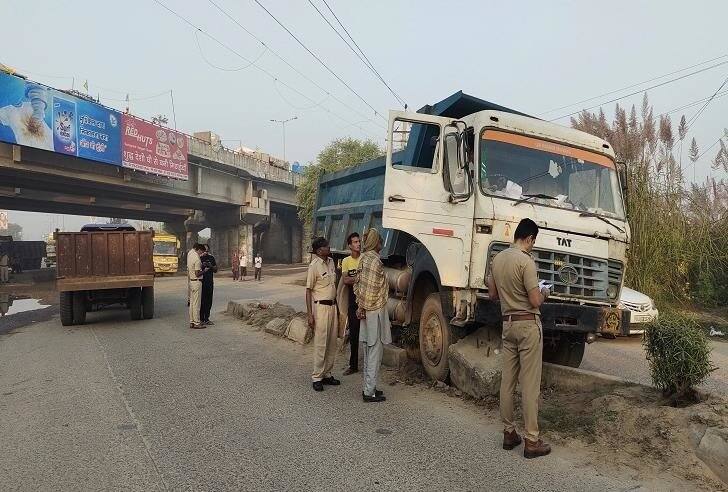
x=37 y=116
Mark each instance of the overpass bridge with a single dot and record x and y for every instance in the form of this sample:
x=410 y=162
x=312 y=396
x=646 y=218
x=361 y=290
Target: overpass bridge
x=246 y=200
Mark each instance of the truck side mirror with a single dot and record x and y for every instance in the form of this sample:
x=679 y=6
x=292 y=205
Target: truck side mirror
x=454 y=172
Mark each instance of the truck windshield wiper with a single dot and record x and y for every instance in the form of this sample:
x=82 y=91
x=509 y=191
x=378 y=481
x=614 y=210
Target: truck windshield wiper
x=535 y=195
x=603 y=219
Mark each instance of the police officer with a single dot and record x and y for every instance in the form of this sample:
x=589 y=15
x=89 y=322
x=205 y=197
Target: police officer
x=322 y=315
x=514 y=281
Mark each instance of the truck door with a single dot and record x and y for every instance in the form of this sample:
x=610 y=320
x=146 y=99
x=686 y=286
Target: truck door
x=428 y=190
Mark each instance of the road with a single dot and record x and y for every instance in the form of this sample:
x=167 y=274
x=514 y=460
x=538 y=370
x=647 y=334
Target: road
x=154 y=405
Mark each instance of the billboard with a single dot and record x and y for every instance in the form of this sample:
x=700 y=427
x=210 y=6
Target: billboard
x=151 y=148
x=34 y=115
x=37 y=116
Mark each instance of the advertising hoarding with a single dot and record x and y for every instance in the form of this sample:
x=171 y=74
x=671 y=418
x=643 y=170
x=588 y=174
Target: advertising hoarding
x=37 y=116
x=151 y=148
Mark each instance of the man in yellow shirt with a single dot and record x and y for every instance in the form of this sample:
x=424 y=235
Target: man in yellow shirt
x=349 y=276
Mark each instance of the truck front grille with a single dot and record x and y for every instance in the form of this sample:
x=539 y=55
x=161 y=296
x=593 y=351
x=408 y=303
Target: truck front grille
x=574 y=275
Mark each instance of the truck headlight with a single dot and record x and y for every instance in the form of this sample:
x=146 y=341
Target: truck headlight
x=612 y=291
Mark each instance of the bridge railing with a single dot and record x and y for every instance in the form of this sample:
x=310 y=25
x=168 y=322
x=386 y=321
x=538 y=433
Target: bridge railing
x=249 y=163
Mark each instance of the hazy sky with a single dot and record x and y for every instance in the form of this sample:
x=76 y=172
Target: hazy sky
x=532 y=56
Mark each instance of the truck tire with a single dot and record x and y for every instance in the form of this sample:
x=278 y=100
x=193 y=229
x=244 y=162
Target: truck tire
x=148 y=302
x=568 y=350
x=79 y=307
x=135 y=303
x=66 y=308
x=435 y=338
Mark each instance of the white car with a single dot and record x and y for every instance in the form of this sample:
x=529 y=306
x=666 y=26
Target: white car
x=641 y=307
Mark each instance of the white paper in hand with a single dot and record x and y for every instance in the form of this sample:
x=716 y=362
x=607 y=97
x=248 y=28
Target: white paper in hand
x=542 y=284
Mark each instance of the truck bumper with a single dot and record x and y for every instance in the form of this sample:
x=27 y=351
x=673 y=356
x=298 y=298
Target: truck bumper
x=571 y=318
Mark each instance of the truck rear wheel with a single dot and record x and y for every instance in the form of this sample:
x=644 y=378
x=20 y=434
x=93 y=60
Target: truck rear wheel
x=148 y=302
x=435 y=338
x=567 y=350
x=135 y=303
x=66 y=308
x=79 y=307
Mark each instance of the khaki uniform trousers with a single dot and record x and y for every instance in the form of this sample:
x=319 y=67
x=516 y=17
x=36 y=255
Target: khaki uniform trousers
x=195 y=300
x=4 y=274
x=324 y=340
x=522 y=363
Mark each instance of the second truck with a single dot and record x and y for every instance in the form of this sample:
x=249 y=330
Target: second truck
x=468 y=171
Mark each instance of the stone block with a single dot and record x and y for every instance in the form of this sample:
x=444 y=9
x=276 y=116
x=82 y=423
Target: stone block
x=475 y=363
x=276 y=326
x=393 y=356
x=713 y=451
x=581 y=380
x=299 y=331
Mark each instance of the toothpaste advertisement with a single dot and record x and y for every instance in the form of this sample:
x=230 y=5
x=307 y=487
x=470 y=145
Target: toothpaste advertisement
x=154 y=149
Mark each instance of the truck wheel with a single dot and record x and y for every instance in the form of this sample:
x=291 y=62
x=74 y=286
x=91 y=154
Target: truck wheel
x=66 y=308
x=568 y=350
x=435 y=338
x=148 y=302
x=135 y=303
x=79 y=307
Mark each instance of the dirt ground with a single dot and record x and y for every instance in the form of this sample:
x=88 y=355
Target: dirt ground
x=630 y=428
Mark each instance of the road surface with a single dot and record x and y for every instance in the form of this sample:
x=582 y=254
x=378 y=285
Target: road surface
x=154 y=405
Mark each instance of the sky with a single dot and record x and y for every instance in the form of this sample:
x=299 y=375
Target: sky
x=533 y=56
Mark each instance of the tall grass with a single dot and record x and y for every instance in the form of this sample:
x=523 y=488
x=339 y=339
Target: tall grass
x=679 y=247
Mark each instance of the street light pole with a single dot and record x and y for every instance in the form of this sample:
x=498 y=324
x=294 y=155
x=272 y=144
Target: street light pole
x=283 y=124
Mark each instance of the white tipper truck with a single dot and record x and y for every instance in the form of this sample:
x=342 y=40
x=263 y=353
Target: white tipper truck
x=452 y=198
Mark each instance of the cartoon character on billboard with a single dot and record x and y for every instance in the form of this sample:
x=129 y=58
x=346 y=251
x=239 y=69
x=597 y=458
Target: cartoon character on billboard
x=27 y=120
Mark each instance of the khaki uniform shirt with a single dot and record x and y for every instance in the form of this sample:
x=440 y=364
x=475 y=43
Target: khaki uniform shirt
x=322 y=279
x=193 y=264
x=4 y=260
x=514 y=273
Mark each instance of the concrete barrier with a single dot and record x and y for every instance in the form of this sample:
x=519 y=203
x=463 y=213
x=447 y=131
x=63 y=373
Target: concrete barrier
x=393 y=356
x=299 y=331
x=276 y=326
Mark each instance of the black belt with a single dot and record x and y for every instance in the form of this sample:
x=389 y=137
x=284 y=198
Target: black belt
x=195 y=280
x=519 y=317
x=326 y=302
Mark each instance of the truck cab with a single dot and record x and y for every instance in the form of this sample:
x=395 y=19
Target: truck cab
x=452 y=198
x=166 y=248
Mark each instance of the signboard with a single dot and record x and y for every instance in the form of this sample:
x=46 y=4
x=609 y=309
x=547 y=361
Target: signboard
x=37 y=116
x=151 y=148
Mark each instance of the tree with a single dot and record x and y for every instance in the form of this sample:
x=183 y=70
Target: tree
x=14 y=230
x=694 y=152
x=340 y=154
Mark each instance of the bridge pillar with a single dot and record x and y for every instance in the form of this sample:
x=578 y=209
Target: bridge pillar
x=226 y=242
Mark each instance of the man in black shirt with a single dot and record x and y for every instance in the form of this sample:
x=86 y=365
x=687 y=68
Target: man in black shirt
x=209 y=268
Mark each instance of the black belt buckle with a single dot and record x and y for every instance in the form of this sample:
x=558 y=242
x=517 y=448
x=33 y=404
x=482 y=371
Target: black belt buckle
x=326 y=302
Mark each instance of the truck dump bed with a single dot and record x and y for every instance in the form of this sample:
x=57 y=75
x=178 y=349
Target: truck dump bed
x=104 y=260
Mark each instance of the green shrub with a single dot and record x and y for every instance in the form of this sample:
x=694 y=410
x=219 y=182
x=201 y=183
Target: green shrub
x=679 y=355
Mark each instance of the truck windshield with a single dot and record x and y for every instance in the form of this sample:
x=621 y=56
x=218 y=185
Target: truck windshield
x=165 y=249
x=514 y=166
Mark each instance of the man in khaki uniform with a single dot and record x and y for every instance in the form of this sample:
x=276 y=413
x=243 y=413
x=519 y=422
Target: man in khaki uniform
x=322 y=315
x=514 y=281
x=194 y=278
x=4 y=267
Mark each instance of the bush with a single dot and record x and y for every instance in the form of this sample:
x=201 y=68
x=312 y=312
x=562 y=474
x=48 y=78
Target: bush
x=679 y=355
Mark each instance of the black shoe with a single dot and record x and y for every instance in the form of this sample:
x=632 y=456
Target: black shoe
x=376 y=393
x=374 y=399
x=349 y=371
x=209 y=323
x=331 y=380
x=318 y=386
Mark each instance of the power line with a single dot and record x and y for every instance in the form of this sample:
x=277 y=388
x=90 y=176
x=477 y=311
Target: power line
x=260 y=69
x=277 y=55
x=635 y=85
x=364 y=59
x=694 y=103
x=320 y=61
x=700 y=111
x=204 y=58
x=641 y=90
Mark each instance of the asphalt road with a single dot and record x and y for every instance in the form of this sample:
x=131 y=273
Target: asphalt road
x=154 y=405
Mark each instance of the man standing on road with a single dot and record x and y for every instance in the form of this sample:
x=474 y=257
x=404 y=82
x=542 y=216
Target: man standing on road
x=209 y=268
x=4 y=267
x=372 y=294
x=258 y=267
x=234 y=264
x=349 y=276
x=243 y=264
x=514 y=281
x=194 y=276
x=322 y=318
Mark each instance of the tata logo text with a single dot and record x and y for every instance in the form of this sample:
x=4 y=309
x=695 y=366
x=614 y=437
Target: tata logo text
x=562 y=241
